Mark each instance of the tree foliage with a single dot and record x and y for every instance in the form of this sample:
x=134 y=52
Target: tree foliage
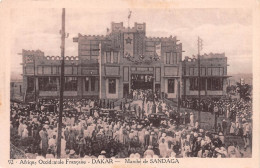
x=244 y=91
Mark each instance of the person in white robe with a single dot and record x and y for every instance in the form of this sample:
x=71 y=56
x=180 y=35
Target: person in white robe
x=25 y=132
x=163 y=148
x=149 y=152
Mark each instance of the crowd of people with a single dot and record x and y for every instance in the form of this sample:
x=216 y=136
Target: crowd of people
x=141 y=94
x=227 y=107
x=97 y=136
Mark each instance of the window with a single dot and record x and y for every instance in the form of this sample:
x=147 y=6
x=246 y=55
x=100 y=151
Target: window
x=93 y=83
x=112 y=86
x=202 y=83
x=183 y=70
x=221 y=71
x=48 y=83
x=171 y=58
x=174 y=58
x=202 y=71
x=170 y=85
x=195 y=72
x=215 y=71
x=215 y=84
x=194 y=84
x=209 y=71
x=168 y=56
x=54 y=70
x=47 y=70
x=191 y=71
x=108 y=56
x=71 y=83
x=68 y=70
x=112 y=58
x=75 y=70
x=39 y=69
x=209 y=81
x=86 y=83
x=115 y=57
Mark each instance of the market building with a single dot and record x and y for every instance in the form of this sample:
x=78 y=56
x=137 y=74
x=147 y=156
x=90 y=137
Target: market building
x=108 y=67
x=111 y=66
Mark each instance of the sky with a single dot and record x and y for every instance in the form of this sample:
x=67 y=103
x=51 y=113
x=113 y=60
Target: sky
x=222 y=30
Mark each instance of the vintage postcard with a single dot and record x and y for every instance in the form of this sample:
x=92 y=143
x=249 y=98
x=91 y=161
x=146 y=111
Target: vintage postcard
x=129 y=83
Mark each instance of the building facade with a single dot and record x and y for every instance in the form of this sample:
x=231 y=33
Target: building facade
x=108 y=67
x=213 y=75
x=111 y=66
x=16 y=90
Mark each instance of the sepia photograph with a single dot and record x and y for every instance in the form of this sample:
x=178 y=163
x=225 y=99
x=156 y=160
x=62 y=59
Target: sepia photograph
x=130 y=83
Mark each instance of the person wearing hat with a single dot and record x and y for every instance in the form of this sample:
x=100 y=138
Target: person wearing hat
x=44 y=141
x=246 y=133
x=137 y=155
x=72 y=154
x=66 y=154
x=149 y=151
x=25 y=132
x=195 y=145
x=146 y=137
x=152 y=139
x=163 y=136
x=232 y=128
x=224 y=127
x=222 y=137
x=222 y=152
x=216 y=141
x=102 y=155
x=131 y=134
x=192 y=117
x=163 y=148
x=21 y=128
x=49 y=154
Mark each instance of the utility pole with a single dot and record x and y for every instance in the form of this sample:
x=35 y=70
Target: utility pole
x=199 y=49
x=179 y=97
x=61 y=82
x=34 y=78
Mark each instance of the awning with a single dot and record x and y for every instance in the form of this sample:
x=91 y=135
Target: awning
x=171 y=76
x=111 y=76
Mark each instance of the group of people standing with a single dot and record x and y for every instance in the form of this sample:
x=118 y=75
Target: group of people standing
x=85 y=136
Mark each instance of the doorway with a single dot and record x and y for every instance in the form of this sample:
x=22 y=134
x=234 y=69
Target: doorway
x=126 y=90
x=142 y=81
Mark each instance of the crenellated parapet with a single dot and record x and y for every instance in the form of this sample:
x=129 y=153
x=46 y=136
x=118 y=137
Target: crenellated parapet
x=211 y=59
x=205 y=56
x=57 y=58
x=164 y=39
